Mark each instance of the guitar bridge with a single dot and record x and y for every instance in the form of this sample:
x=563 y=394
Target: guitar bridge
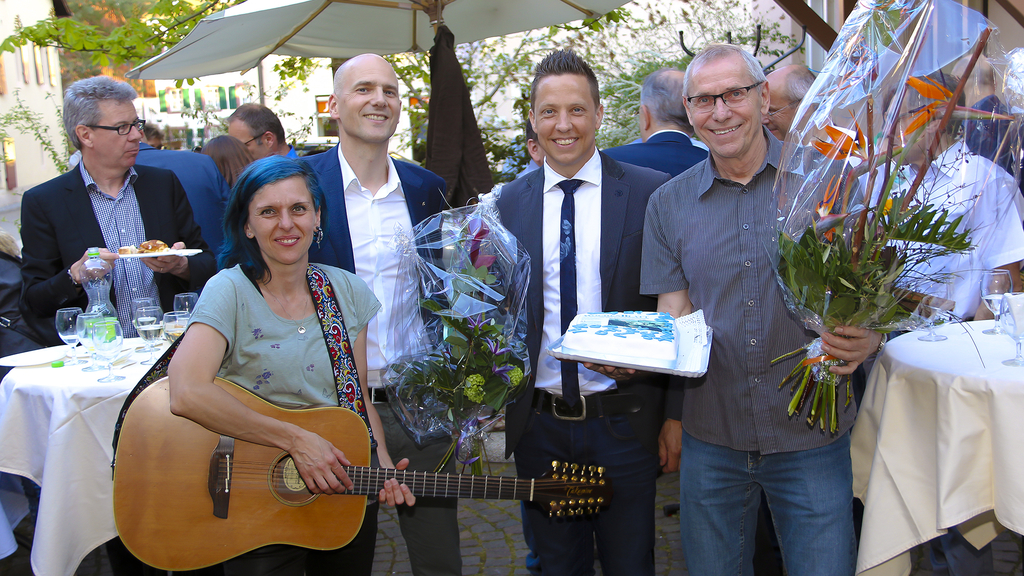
x=219 y=480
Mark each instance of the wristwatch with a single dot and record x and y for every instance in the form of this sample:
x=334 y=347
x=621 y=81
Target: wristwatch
x=881 y=343
x=72 y=277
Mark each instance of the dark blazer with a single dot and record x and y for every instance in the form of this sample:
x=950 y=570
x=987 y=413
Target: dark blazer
x=625 y=190
x=670 y=152
x=424 y=196
x=20 y=337
x=58 y=225
x=204 y=185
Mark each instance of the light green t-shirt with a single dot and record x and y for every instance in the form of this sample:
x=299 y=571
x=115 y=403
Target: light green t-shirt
x=266 y=354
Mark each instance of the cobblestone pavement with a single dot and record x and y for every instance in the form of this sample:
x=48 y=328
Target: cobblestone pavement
x=492 y=541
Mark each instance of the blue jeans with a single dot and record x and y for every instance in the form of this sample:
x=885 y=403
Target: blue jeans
x=624 y=531
x=809 y=493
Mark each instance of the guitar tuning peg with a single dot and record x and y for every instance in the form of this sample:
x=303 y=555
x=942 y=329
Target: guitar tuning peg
x=555 y=464
x=600 y=470
x=559 y=514
x=575 y=467
x=600 y=500
x=592 y=468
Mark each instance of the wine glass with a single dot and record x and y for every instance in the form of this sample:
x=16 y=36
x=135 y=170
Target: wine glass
x=143 y=301
x=1012 y=320
x=174 y=325
x=994 y=283
x=149 y=326
x=185 y=302
x=83 y=327
x=65 y=320
x=108 y=338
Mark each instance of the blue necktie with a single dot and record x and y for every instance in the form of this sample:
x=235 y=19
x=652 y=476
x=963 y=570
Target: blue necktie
x=567 y=283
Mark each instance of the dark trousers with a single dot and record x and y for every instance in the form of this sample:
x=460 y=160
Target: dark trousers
x=624 y=531
x=431 y=527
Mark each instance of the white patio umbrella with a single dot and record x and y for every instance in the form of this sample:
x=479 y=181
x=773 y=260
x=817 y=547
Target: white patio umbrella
x=238 y=38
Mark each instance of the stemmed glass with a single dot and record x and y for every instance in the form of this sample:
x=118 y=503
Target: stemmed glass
x=994 y=283
x=185 y=302
x=1012 y=320
x=66 y=318
x=174 y=325
x=148 y=325
x=83 y=327
x=108 y=338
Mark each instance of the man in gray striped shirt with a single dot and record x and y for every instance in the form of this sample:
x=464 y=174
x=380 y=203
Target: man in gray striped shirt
x=709 y=241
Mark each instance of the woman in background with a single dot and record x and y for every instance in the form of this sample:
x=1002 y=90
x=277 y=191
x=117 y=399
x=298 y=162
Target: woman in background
x=230 y=155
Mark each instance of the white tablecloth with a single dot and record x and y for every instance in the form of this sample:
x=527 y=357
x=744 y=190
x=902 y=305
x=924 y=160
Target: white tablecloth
x=13 y=508
x=938 y=443
x=56 y=428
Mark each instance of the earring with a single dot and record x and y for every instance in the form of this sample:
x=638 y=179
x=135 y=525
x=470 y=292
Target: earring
x=248 y=234
x=318 y=235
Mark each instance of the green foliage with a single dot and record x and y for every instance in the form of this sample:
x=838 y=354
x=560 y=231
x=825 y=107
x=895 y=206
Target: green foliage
x=21 y=119
x=115 y=33
x=823 y=277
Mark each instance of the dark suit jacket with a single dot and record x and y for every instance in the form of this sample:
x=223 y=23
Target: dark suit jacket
x=424 y=196
x=58 y=225
x=669 y=152
x=204 y=185
x=20 y=337
x=624 y=193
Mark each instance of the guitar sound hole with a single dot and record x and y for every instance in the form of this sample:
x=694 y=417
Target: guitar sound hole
x=286 y=484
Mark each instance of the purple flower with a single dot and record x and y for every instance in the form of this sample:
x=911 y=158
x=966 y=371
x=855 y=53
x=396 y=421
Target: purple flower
x=479 y=230
x=475 y=322
x=493 y=347
x=503 y=372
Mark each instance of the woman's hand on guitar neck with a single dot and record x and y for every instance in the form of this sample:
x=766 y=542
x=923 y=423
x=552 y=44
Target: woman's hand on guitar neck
x=320 y=464
x=394 y=493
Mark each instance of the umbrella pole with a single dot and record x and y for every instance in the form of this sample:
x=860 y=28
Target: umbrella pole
x=259 y=82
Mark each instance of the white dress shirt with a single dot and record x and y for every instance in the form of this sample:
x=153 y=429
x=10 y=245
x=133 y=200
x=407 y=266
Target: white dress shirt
x=588 y=270
x=971 y=186
x=373 y=218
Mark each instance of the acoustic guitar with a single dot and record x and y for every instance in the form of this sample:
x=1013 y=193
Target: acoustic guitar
x=186 y=497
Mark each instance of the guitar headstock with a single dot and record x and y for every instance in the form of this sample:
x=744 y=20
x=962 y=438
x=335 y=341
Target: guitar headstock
x=572 y=490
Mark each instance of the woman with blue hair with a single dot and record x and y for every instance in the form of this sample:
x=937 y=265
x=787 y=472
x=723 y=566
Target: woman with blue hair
x=282 y=328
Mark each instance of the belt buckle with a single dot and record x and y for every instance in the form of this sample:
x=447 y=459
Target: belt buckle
x=569 y=413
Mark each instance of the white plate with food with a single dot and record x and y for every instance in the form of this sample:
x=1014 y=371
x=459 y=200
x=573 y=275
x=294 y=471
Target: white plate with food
x=182 y=252
x=35 y=357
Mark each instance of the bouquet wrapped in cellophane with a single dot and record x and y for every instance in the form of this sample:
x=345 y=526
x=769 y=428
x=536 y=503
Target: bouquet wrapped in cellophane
x=887 y=170
x=461 y=318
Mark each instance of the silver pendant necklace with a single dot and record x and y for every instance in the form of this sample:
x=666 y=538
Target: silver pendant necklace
x=301 y=329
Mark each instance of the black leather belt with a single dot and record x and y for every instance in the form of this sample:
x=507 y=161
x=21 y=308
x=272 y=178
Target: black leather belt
x=590 y=406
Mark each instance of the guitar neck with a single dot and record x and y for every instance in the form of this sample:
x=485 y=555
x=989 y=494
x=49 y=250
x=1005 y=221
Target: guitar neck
x=369 y=481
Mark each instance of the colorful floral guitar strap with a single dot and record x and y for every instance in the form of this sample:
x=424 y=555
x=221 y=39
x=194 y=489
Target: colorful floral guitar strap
x=339 y=346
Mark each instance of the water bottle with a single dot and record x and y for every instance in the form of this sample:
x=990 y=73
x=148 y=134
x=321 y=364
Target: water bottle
x=96 y=279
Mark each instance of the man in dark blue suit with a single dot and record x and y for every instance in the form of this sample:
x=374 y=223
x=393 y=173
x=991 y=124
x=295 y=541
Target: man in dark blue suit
x=369 y=197
x=663 y=127
x=204 y=185
x=571 y=413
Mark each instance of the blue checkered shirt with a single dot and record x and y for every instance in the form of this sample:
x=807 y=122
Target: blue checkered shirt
x=121 y=223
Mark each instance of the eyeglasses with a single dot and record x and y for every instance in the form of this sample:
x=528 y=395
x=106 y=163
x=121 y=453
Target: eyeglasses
x=253 y=138
x=771 y=113
x=123 y=129
x=732 y=98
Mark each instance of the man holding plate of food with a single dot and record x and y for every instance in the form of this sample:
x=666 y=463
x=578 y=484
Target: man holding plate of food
x=107 y=201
